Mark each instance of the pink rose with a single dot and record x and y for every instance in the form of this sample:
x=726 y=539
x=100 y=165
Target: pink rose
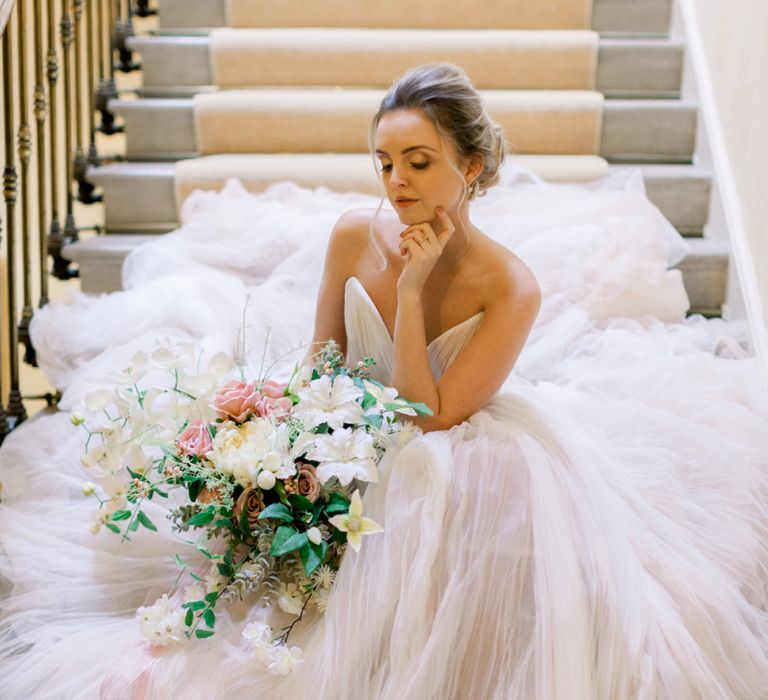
x=276 y=408
x=274 y=390
x=195 y=440
x=237 y=400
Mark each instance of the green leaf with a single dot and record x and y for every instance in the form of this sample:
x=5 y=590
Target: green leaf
x=202 y=634
x=337 y=504
x=223 y=522
x=209 y=617
x=196 y=577
x=193 y=488
x=113 y=527
x=121 y=515
x=368 y=401
x=290 y=545
x=225 y=570
x=312 y=555
x=300 y=502
x=134 y=525
x=212 y=597
x=277 y=511
x=228 y=557
x=178 y=560
x=189 y=618
x=160 y=493
x=284 y=532
x=194 y=605
x=202 y=518
x=205 y=551
x=374 y=421
x=146 y=522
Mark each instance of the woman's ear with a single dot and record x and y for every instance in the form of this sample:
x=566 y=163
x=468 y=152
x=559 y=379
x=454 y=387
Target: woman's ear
x=474 y=167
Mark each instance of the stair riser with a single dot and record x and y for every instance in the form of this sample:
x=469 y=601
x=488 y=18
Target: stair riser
x=705 y=281
x=684 y=200
x=624 y=69
x=632 y=131
x=608 y=16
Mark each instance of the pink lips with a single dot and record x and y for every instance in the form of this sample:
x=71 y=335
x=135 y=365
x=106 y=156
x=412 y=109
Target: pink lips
x=406 y=202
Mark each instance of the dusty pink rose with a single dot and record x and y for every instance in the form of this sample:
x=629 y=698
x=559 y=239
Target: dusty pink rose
x=274 y=390
x=195 y=440
x=275 y=408
x=309 y=484
x=237 y=400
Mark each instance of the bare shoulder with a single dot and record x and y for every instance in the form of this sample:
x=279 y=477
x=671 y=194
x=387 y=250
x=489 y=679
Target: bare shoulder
x=507 y=280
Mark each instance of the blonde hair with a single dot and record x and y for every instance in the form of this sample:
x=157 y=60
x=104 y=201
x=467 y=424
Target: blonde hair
x=445 y=95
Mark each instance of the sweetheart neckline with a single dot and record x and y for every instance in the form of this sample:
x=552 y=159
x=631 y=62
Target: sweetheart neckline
x=384 y=325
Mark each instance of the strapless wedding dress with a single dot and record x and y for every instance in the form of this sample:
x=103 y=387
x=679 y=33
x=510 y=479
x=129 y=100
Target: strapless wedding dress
x=598 y=530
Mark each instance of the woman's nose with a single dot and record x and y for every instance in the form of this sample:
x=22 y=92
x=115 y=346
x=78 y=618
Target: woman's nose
x=395 y=177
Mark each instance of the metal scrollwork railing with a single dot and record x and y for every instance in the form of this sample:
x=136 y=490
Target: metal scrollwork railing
x=59 y=59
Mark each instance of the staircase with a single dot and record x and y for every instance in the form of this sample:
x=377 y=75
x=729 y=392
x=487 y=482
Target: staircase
x=269 y=91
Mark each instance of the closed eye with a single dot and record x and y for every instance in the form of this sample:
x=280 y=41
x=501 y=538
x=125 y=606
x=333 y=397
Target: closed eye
x=418 y=166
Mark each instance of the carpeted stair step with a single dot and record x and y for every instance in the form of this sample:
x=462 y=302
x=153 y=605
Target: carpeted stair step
x=100 y=259
x=680 y=191
x=571 y=122
x=636 y=17
x=555 y=60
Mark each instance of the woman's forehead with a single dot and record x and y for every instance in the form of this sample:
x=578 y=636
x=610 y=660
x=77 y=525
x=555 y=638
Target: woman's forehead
x=404 y=129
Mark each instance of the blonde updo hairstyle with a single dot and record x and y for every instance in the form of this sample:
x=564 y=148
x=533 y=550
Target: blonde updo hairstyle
x=445 y=95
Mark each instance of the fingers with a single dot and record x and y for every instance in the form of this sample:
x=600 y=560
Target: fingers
x=426 y=241
x=448 y=227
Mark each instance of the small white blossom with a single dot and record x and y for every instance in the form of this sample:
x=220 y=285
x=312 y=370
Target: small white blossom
x=266 y=480
x=314 y=535
x=290 y=598
x=89 y=488
x=162 y=623
x=285 y=660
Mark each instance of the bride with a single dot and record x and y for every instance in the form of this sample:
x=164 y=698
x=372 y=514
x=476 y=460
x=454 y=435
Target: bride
x=584 y=516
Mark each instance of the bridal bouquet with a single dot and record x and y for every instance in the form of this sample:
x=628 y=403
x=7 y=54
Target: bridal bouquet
x=268 y=473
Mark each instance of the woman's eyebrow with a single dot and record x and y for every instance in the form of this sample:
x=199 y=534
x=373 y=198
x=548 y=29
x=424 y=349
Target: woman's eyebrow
x=406 y=150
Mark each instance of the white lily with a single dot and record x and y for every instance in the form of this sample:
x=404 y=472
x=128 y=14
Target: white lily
x=346 y=454
x=386 y=395
x=331 y=402
x=353 y=522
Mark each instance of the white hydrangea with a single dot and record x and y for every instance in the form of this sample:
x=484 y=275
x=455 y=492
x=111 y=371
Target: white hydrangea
x=163 y=623
x=332 y=402
x=242 y=450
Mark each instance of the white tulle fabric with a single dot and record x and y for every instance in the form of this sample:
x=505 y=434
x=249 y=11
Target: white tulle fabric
x=598 y=530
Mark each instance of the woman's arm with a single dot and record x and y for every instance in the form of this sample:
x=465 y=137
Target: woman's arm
x=345 y=246
x=481 y=367
x=486 y=361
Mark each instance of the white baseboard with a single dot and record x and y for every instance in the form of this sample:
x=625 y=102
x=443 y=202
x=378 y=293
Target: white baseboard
x=726 y=183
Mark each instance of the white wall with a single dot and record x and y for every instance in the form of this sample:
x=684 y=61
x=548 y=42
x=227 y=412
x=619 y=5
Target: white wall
x=727 y=46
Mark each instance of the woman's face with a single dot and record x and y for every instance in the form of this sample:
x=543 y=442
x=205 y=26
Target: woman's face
x=414 y=164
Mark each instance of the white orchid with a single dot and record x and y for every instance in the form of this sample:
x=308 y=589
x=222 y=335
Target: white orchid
x=179 y=356
x=346 y=454
x=353 y=522
x=334 y=402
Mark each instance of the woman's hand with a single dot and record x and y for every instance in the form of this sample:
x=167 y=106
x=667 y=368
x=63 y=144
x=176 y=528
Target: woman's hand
x=423 y=247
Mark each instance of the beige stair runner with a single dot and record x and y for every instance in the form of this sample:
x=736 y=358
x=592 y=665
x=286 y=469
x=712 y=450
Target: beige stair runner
x=435 y=14
x=507 y=59
x=319 y=120
x=342 y=172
